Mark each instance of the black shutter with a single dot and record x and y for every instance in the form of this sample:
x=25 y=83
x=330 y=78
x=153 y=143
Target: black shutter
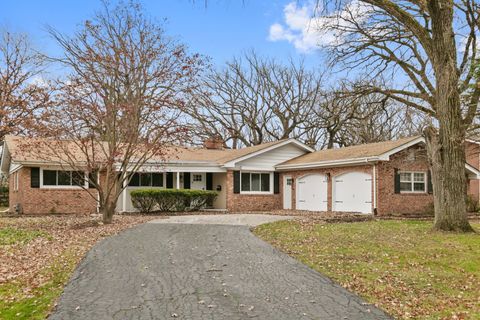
x=276 y=182
x=209 y=181
x=169 y=180
x=92 y=178
x=396 y=181
x=134 y=180
x=429 y=182
x=236 y=181
x=186 y=180
x=35 y=177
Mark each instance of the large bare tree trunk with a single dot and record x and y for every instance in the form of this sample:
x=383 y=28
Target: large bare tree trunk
x=447 y=149
x=449 y=183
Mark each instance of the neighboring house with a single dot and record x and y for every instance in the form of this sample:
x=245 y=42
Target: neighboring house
x=387 y=178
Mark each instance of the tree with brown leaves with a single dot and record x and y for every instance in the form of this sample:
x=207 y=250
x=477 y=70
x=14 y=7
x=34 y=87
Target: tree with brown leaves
x=23 y=95
x=117 y=108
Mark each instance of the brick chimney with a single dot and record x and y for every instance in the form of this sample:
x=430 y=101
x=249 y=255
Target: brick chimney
x=215 y=142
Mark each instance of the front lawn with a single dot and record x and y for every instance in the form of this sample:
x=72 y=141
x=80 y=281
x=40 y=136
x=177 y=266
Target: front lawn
x=39 y=254
x=399 y=266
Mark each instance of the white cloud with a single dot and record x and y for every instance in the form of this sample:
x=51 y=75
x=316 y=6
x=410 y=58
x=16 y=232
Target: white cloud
x=300 y=27
x=307 y=31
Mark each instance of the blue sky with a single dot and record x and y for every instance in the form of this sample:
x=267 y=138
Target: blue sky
x=223 y=29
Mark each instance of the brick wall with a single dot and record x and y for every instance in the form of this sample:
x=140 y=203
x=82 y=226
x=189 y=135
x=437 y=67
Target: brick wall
x=472 y=151
x=48 y=200
x=237 y=202
x=389 y=202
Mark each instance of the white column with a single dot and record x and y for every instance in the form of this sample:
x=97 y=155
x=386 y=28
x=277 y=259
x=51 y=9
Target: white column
x=178 y=180
x=124 y=196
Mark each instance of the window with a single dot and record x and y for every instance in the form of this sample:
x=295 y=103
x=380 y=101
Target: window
x=63 y=178
x=255 y=182
x=413 y=182
x=146 y=179
x=197 y=178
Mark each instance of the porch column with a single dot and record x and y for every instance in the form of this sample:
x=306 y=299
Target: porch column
x=178 y=180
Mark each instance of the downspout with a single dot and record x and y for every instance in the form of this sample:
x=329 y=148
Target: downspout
x=374 y=188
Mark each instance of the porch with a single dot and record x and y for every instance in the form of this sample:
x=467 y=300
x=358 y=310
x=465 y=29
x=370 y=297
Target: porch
x=196 y=180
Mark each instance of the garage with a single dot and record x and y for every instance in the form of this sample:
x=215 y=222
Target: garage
x=312 y=192
x=352 y=192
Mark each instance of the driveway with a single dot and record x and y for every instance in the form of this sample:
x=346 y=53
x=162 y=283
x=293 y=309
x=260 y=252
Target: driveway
x=201 y=268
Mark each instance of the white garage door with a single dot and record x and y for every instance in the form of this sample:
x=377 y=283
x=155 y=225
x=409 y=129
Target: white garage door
x=352 y=192
x=312 y=192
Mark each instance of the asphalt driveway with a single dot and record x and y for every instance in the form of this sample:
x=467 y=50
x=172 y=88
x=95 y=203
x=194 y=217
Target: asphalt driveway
x=174 y=270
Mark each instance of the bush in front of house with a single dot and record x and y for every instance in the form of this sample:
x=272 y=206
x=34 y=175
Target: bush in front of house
x=171 y=200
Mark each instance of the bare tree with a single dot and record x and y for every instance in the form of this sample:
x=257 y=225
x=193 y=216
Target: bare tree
x=254 y=100
x=347 y=115
x=429 y=49
x=118 y=107
x=22 y=93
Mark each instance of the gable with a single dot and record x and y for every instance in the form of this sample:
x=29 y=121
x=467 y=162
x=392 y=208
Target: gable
x=269 y=159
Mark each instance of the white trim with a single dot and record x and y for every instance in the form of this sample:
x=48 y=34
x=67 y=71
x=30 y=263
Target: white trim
x=271 y=187
x=68 y=187
x=386 y=156
x=351 y=161
x=475 y=172
x=231 y=163
x=412 y=182
x=330 y=163
x=14 y=167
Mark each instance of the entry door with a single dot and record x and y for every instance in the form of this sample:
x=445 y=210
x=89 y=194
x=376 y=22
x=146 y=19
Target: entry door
x=312 y=192
x=198 y=181
x=287 y=192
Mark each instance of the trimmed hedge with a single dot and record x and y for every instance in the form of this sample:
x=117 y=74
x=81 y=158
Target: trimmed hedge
x=148 y=200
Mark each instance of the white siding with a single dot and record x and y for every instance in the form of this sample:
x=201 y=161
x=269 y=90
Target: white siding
x=270 y=159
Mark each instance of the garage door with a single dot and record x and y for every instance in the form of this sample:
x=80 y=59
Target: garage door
x=352 y=192
x=312 y=192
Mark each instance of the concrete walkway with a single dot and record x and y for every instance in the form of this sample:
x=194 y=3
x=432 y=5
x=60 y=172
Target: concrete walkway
x=251 y=220
x=167 y=270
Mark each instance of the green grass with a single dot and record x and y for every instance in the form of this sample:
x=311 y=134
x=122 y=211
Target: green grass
x=38 y=303
x=10 y=235
x=401 y=266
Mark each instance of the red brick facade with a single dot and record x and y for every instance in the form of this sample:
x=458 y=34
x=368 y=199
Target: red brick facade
x=387 y=202
x=473 y=159
x=237 y=202
x=47 y=200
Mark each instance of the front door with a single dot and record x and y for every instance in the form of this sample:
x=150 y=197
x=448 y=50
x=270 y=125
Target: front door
x=287 y=192
x=198 y=181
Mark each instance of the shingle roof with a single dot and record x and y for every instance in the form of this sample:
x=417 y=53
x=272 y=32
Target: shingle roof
x=353 y=152
x=24 y=149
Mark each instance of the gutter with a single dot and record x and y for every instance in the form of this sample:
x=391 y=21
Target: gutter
x=332 y=163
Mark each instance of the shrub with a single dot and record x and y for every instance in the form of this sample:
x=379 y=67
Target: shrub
x=148 y=200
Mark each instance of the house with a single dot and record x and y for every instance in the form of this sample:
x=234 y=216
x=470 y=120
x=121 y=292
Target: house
x=386 y=178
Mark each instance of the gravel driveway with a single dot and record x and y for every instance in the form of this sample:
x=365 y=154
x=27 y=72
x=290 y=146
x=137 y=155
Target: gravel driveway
x=171 y=270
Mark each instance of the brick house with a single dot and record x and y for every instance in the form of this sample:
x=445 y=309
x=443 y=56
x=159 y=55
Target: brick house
x=387 y=178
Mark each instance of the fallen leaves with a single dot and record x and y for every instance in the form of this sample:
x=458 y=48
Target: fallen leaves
x=396 y=265
x=47 y=239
